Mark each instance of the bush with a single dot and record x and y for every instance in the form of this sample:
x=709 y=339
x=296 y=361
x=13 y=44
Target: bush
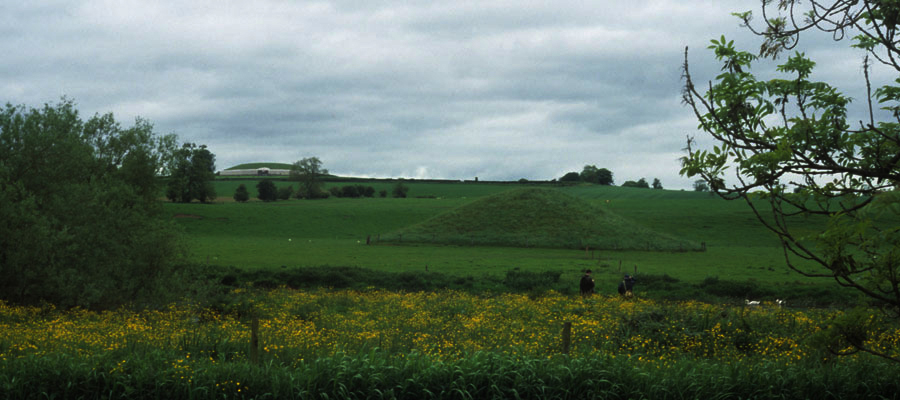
x=317 y=193
x=349 y=191
x=81 y=223
x=400 y=190
x=530 y=281
x=241 y=195
x=266 y=190
x=285 y=193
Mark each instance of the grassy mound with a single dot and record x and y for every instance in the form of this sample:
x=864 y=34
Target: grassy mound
x=271 y=165
x=534 y=217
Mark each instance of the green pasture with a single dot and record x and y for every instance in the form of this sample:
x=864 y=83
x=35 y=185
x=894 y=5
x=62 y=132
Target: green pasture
x=334 y=232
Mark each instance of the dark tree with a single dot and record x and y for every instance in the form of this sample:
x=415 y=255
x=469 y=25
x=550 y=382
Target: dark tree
x=400 y=190
x=657 y=184
x=266 y=190
x=309 y=172
x=641 y=183
x=193 y=170
x=241 y=195
x=592 y=174
x=571 y=177
x=285 y=192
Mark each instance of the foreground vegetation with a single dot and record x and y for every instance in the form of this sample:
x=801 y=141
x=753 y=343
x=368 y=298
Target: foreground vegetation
x=447 y=344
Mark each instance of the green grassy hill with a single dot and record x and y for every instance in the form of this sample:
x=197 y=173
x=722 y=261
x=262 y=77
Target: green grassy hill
x=272 y=165
x=333 y=233
x=534 y=217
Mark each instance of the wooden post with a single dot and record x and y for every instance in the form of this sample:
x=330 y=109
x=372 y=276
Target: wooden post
x=254 y=340
x=368 y=239
x=567 y=337
x=620 y=265
x=635 y=269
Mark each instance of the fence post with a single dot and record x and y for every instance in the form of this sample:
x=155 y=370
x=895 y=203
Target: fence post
x=254 y=340
x=567 y=337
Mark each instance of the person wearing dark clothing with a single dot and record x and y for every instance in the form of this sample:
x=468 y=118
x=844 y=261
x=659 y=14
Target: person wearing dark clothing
x=587 y=284
x=626 y=286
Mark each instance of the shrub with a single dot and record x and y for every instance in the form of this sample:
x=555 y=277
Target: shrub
x=266 y=190
x=350 y=191
x=240 y=194
x=285 y=193
x=400 y=190
x=530 y=281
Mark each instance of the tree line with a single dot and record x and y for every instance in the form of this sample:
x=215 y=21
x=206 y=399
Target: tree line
x=603 y=176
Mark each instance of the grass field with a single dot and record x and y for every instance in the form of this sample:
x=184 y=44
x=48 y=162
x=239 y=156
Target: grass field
x=510 y=338
x=298 y=233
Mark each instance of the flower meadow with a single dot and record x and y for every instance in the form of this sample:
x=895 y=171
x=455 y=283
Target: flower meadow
x=382 y=344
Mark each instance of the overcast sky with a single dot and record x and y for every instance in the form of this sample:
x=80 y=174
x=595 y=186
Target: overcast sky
x=499 y=90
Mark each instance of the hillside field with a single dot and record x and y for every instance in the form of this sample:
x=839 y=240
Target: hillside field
x=334 y=231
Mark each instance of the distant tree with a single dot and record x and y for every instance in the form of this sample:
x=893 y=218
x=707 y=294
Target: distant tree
x=193 y=170
x=400 y=190
x=336 y=191
x=366 y=191
x=382 y=193
x=285 y=192
x=700 y=185
x=571 y=177
x=641 y=183
x=308 y=172
x=266 y=190
x=592 y=174
x=241 y=195
x=351 y=191
x=80 y=223
x=604 y=177
x=657 y=184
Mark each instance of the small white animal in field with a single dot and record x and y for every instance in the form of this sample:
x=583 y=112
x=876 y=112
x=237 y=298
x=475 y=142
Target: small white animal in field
x=751 y=303
x=779 y=302
x=289 y=240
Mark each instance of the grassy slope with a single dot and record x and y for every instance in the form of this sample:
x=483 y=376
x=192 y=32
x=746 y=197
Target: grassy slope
x=334 y=231
x=538 y=217
x=272 y=165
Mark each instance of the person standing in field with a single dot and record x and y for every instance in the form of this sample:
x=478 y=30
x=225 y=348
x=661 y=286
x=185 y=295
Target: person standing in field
x=587 y=284
x=626 y=286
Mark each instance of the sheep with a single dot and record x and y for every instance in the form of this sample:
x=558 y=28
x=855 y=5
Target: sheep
x=749 y=303
x=779 y=303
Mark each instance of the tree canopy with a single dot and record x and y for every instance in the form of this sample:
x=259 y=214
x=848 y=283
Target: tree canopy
x=796 y=131
x=193 y=169
x=308 y=171
x=80 y=223
x=592 y=174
